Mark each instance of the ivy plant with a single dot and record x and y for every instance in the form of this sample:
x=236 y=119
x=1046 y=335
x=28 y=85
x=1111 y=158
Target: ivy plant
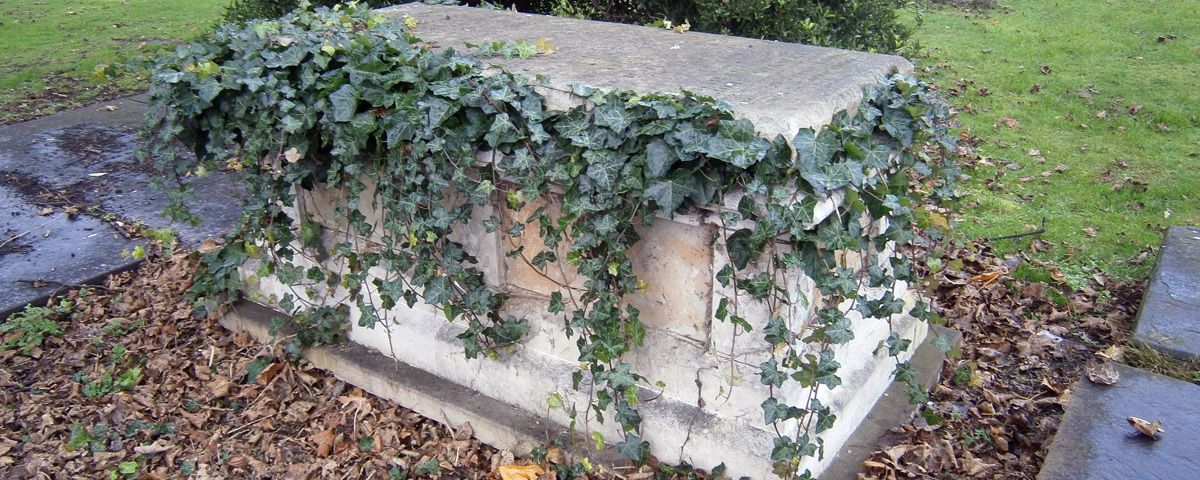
x=349 y=101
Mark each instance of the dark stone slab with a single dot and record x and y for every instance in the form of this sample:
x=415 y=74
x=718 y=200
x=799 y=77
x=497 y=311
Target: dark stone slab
x=1169 y=319
x=42 y=254
x=88 y=158
x=1096 y=442
x=91 y=155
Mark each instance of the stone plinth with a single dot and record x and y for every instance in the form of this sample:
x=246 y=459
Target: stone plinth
x=702 y=402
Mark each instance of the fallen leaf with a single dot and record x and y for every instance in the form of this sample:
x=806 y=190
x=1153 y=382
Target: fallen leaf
x=1147 y=428
x=1090 y=232
x=46 y=211
x=987 y=278
x=292 y=155
x=1008 y=122
x=1046 y=69
x=219 y=388
x=520 y=472
x=543 y=46
x=208 y=246
x=1102 y=373
x=1113 y=352
x=159 y=446
x=98 y=174
x=324 y=441
x=238 y=461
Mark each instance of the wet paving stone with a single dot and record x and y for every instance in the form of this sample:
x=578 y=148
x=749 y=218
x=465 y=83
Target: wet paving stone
x=1096 y=441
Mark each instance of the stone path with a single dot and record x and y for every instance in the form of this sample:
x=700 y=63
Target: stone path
x=1169 y=320
x=85 y=158
x=1095 y=440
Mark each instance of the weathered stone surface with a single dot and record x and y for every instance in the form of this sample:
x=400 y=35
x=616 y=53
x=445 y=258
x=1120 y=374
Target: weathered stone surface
x=1169 y=320
x=86 y=158
x=1096 y=442
x=41 y=254
x=781 y=87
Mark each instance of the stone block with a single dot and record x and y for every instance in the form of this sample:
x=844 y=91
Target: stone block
x=1169 y=320
x=706 y=410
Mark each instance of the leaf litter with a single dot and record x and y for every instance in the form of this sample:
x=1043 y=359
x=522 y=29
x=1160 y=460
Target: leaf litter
x=208 y=403
x=1027 y=336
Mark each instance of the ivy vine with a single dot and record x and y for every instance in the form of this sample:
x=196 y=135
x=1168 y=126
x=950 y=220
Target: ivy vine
x=334 y=97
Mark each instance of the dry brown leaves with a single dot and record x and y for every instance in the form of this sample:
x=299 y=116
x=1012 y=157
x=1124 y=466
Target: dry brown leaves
x=1024 y=343
x=193 y=403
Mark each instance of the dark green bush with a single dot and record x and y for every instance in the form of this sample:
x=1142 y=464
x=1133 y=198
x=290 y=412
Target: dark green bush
x=242 y=10
x=871 y=25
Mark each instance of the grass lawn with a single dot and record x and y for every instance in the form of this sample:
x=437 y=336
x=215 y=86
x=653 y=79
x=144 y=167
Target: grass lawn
x=1089 y=113
x=52 y=46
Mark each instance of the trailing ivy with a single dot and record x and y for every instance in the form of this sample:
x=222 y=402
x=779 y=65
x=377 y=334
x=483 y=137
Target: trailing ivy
x=330 y=99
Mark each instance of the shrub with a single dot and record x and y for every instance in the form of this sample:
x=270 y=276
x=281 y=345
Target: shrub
x=871 y=25
x=242 y=10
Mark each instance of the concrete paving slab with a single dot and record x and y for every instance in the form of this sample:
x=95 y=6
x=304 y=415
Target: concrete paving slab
x=1096 y=442
x=41 y=254
x=86 y=158
x=1169 y=320
x=89 y=156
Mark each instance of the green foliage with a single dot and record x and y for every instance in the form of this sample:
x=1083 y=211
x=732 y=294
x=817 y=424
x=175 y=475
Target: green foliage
x=870 y=25
x=30 y=327
x=107 y=384
x=242 y=10
x=324 y=99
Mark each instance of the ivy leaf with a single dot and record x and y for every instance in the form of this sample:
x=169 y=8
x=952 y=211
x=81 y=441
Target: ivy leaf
x=345 y=102
x=737 y=143
x=814 y=149
x=634 y=448
x=556 y=303
x=769 y=373
x=776 y=331
x=209 y=89
x=670 y=193
x=437 y=291
x=743 y=247
x=502 y=131
x=659 y=158
x=613 y=115
x=773 y=411
x=605 y=174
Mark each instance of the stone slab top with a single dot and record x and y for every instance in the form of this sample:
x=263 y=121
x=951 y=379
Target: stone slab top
x=781 y=87
x=1096 y=442
x=1169 y=320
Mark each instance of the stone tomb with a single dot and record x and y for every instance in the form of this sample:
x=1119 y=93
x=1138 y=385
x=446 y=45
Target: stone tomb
x=706 y=410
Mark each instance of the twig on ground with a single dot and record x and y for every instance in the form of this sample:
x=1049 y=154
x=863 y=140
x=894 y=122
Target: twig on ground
x=1039 y=231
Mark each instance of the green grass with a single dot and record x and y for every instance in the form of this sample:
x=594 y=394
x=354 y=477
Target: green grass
x=1108 y=51
x=52 y=46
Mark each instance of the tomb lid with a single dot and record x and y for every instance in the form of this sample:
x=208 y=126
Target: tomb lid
x=781 y=87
